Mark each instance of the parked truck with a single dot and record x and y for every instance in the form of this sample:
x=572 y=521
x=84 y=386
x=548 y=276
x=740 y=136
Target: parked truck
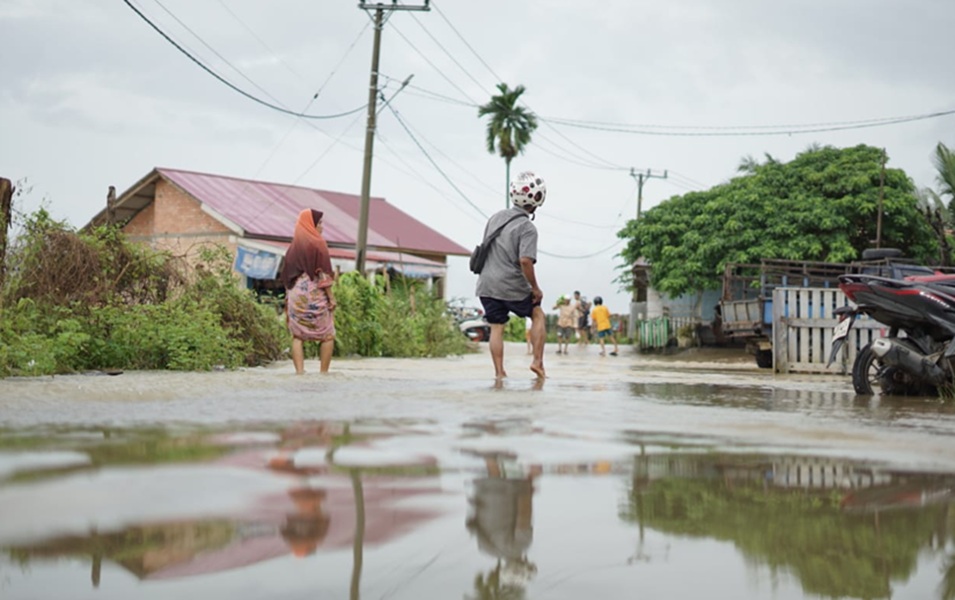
x=746 y=305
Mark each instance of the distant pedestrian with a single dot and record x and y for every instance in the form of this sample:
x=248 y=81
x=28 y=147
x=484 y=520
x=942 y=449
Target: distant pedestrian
x=309 y=299
x=566 y=323
x=601 y=317
x=583 y=320
x=508 y=282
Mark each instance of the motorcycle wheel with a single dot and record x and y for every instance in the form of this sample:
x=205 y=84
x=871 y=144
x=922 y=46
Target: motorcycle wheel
x=478 y=334
x=869 y=374
x=764 y=359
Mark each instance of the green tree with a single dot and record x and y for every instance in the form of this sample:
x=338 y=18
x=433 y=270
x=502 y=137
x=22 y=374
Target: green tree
x=509 y=128
x=822 y=205
x=944 y=161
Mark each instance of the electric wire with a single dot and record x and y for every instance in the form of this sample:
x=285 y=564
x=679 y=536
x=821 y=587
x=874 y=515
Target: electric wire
x=308 y=105
x=434 y=164
x=259 y=39
x=431 y=63
x=449 y=55
x=755 y=131
x=229 y=84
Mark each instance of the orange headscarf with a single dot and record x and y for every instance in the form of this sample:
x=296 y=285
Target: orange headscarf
x=308 y=252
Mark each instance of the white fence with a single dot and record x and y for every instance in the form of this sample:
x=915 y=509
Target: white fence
x=803 y=319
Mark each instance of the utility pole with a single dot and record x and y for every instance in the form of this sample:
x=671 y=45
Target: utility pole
x=379 y=18
x=878 y=223
x=640 y=177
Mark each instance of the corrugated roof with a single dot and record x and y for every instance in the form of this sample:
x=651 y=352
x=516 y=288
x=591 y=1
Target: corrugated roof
x=264 y=209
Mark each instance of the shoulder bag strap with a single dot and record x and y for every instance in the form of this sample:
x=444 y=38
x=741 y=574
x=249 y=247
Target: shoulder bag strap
x=498 y=231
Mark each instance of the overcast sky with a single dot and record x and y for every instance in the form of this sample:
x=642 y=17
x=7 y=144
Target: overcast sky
x=92 y=96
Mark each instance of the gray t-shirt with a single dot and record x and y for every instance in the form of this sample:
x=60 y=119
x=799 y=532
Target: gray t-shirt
x=502 y=277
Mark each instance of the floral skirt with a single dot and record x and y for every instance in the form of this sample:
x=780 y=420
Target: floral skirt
x=307 y=308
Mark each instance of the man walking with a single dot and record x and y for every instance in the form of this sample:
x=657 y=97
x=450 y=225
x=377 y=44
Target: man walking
x=507 y=283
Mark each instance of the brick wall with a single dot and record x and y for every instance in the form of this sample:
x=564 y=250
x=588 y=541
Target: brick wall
x=175 y=222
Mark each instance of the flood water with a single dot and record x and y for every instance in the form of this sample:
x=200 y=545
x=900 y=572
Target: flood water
x=617 y=477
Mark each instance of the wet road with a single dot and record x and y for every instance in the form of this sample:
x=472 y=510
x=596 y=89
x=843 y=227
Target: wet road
x=617 y=477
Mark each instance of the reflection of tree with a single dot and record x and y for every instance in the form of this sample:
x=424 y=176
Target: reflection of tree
x=126 y=447
x=834 y=553
x=947 y=589
x=141 y=550
x=947 y=533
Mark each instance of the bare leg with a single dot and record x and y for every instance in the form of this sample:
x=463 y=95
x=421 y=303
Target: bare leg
x=602 y=351
x=616 y=349
x=538 y=336
x=496 y=345
x=298 y=356
x=325 y=354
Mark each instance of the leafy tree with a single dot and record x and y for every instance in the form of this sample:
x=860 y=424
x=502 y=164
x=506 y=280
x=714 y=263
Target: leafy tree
x=944 y=161
x=823 y=206
x=509 y=128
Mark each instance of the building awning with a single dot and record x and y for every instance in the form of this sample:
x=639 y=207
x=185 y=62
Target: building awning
x=261 y=259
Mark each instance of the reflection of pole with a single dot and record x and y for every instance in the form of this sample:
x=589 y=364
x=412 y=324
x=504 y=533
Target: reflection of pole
x=357 y=547
x=640 y=178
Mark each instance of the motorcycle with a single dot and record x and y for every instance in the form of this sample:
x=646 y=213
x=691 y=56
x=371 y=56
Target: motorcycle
x=916 y=357
x=471 y=323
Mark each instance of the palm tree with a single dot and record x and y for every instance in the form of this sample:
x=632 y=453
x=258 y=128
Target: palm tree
x=944 y=160
x=510 y=127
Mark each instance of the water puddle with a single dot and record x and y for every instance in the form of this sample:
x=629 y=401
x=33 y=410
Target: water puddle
x=485 y=508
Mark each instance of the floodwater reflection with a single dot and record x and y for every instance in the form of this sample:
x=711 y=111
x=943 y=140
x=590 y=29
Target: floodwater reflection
x=491 y=509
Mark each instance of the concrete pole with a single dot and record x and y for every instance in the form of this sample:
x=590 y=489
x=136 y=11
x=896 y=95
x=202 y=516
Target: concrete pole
x=641 y=177
x=361 y=248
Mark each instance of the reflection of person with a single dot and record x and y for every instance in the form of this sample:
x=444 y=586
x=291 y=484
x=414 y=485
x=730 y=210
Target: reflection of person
x=305 y=529
x=566 y=323
x=502 y=509
x=508 y=283
x=601 y=317
x=310 y=301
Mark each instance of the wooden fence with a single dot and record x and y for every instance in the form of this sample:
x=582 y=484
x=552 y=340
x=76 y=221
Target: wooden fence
x=803 y=319
x=661 y=332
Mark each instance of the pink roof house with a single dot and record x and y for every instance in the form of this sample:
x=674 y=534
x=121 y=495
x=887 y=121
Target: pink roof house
x=181 y=211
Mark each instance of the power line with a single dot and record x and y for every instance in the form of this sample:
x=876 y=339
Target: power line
x=230 y=84
x=433 y=163
x=582 y=256
x=738 y=131
x=433 y=66
x=259 y=39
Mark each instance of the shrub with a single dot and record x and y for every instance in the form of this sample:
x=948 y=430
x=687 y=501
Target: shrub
x=76 y=301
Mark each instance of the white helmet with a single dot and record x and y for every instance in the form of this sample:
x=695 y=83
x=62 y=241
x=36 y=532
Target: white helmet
x=527 y=189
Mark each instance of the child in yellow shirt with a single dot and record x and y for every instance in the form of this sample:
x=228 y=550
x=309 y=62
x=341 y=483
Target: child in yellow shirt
x=601 y=317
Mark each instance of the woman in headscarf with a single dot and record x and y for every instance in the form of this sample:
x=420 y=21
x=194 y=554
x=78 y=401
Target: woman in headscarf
x=309 y=300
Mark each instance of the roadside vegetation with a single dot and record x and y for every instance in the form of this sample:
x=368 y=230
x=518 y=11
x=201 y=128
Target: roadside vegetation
x=92 y=300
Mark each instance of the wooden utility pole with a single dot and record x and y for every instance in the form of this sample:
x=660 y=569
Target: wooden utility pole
x=640 y=177
x=878 y=222
x=6 y=215
x=379 y=19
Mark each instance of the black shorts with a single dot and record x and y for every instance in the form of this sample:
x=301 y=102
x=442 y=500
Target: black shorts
x=496 y=311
